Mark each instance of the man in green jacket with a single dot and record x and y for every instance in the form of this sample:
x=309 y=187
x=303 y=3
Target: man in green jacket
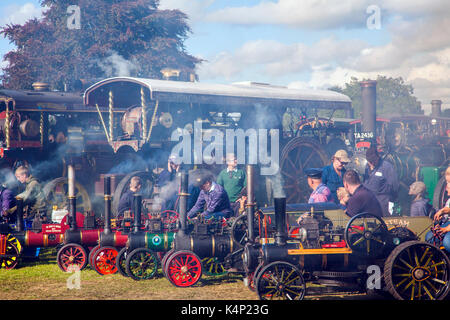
x=234 y=181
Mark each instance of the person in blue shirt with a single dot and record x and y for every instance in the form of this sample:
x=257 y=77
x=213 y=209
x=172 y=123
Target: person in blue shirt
x=332 y=174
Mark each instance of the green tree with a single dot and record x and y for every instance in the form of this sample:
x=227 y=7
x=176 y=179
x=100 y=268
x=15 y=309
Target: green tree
x=393 y=96
x=53 y=50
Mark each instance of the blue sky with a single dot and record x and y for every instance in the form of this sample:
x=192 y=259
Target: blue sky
x=309 y=43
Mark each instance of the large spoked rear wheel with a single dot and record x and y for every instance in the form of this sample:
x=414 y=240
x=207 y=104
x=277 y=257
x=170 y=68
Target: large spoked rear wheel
x=417 y=270
x=365 y=234
x=72 y=257
x=141 y=264
x=183 y=268
x=280 y=281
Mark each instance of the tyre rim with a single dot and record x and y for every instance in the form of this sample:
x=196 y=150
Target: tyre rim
x=280 y=281
x=72 y=256
x=105 y=261
x=183 y=269
x=143 y=265
x=420 y=272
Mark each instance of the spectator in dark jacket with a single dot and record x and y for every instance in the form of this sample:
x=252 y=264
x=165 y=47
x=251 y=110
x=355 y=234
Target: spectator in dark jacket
x=380 y=178
x=420 y=205
x=126 y=200
x=214 y=197
x=362 y=200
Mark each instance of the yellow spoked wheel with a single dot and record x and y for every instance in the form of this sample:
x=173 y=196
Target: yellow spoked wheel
x=213 y=266
x=10 y=249
x=417 y=270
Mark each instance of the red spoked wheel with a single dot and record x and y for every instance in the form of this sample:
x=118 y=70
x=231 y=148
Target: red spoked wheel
x=183 y=268
x=104 y=260
x=91 y=255
x=71 y=256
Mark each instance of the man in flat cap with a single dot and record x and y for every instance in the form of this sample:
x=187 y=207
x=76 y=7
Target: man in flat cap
x=332 y=174
x=420 y=205
x=212 y=202
x=380 y=178
x=321 y=193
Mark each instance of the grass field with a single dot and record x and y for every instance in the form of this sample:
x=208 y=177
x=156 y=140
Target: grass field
x=44 y=280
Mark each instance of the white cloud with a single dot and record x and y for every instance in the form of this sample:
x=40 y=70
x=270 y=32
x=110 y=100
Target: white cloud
x=15 y=14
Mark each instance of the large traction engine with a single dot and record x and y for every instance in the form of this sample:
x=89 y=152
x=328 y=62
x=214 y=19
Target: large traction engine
x=280 y=263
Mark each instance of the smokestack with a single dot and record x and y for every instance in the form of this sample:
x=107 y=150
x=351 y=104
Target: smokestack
x=436 y=108
x=250 y=203
x=107 y=189
x=137 y=212
x=280 y=221
x=184 y=181
x=19 y=214
x=72 y=198
x=369 y=106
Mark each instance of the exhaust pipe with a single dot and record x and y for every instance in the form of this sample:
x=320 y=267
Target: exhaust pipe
x=107 y=192
x=436 y=108
x=19 y=214
x=137 y=212
x=250 y=203
x=280 y=221
x=369 y=106
x=72 y=198
x=184 y=183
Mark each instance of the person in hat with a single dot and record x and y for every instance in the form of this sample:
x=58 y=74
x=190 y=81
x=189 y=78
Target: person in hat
x=321 y=193
x=213 y=197
x=380 y=178
x=166 y=186
x=420 y=205
x=333 y=173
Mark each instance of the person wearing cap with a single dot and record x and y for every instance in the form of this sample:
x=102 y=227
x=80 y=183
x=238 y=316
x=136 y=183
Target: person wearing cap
x=212 y=196
x=420 y=205
x=333 y=173
x=234 y=181
x=361 y=199
x=321 y=193
x=380 y=178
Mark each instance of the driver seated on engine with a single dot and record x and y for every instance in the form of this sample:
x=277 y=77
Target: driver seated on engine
x=214 y=198
x=441 y=231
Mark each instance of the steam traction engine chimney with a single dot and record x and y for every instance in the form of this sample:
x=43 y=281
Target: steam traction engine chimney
x=280 y=221
x=137 y=212
x=250 y=203
x=436 y=108
x=184 y=181
x=107 y=191
x=72 y=198
x=369 y=107
x=19 y=214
